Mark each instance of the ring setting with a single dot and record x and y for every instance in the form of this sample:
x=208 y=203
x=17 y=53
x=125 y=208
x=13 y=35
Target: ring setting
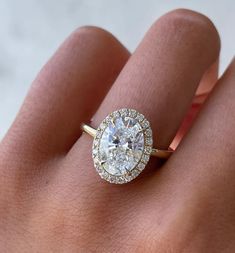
x=122 y=146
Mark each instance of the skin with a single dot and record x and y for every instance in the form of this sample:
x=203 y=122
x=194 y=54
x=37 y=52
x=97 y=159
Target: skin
x=51 y=198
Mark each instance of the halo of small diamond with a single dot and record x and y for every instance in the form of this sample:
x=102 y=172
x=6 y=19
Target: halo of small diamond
x=140 y=164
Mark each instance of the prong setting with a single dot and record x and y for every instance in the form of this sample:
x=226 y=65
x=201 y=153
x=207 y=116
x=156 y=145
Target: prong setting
x=139 y=151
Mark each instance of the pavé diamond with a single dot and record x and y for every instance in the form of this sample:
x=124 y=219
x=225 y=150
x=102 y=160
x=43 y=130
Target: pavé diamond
x=121 y=146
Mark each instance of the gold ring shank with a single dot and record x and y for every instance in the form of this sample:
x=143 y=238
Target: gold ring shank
x=163 y=154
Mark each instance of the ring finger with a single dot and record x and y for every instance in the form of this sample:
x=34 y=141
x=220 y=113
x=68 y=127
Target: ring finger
x=160 y=79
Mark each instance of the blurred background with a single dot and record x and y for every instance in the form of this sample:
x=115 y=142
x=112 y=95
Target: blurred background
x=31 y=30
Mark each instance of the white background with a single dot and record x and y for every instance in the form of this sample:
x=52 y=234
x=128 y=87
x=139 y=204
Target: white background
x=31 y=30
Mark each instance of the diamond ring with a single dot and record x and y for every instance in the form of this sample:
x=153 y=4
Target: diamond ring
x=122 y=146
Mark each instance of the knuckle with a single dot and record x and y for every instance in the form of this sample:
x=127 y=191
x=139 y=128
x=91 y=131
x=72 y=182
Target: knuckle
x=100 y=40
x=93 y=33
x=91 y=30
x=190 y=28
x=189 y=20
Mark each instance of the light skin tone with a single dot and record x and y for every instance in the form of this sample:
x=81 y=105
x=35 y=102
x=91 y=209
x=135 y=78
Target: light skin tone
x=51 y=198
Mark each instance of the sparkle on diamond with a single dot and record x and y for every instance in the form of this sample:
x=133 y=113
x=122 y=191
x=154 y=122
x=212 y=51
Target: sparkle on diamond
x=121 y=145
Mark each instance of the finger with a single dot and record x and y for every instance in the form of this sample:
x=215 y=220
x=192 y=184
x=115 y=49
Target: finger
x=66 y=92
x=162 y=75
x=164 y=72
x=200 y=175
x=209 y=147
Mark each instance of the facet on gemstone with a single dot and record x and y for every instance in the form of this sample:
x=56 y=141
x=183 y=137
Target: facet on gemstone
x=122 y=145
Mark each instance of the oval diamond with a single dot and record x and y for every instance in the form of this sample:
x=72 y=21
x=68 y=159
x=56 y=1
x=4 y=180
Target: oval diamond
x=121 y=146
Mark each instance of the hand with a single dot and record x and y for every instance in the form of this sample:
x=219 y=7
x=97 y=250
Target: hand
x=51 y=198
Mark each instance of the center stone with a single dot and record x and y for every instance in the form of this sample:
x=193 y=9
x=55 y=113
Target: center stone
x=121 y=145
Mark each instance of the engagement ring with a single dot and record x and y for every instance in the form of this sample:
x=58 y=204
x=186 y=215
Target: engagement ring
x=122 y=146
